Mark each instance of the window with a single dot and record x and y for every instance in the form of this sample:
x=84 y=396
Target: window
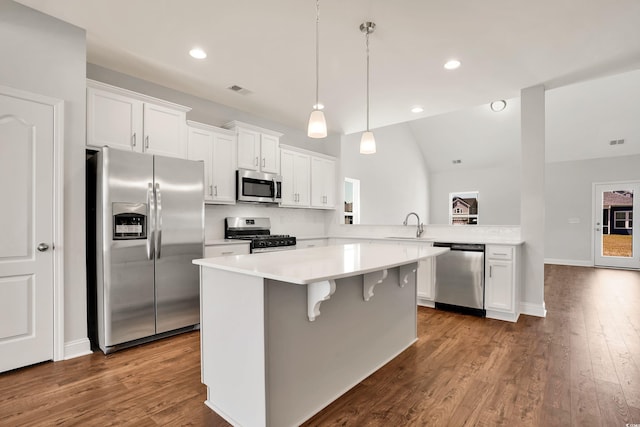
x=463 y=208
x=351 y=201
x=624 y=220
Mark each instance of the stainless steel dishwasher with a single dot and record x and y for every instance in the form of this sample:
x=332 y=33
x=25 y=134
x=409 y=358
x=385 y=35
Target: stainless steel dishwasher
x=460 y=278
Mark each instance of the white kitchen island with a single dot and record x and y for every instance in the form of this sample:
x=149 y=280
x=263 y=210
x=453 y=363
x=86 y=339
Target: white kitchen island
x=283 y=334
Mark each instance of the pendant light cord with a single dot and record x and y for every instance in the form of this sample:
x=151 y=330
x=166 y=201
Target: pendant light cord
x=317 y=53
x=367 y=42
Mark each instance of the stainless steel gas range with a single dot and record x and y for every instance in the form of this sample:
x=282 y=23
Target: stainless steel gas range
x=258 y=232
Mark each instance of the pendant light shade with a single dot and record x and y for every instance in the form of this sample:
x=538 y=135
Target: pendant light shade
x=317 y=124
x=368 y=142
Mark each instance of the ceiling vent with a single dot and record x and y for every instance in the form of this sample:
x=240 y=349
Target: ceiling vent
x=616 y=142
x=239 y=89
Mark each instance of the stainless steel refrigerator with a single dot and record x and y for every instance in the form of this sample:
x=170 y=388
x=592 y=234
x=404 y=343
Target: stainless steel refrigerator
x=149 y=227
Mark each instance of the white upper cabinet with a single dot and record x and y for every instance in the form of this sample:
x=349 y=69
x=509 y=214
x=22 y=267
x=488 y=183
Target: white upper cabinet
x=323 y=182
x=127 y=120
x=258 y=148
x=217 y=148
x=296 y=169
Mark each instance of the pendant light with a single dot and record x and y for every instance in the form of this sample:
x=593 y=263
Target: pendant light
x=317 y=125
x=368 y=142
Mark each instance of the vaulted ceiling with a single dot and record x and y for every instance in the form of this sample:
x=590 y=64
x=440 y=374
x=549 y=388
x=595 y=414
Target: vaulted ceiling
x=267 y=47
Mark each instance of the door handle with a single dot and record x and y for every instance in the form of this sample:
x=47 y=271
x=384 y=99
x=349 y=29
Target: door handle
x=152 y=225
x=158 y=222
x=43 y=247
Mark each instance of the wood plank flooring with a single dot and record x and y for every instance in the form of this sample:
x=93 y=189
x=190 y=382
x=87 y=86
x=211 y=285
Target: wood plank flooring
x=579 y=366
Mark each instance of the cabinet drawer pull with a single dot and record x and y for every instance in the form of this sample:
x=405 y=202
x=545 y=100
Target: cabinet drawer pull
x=500 y=253
x=227 y=252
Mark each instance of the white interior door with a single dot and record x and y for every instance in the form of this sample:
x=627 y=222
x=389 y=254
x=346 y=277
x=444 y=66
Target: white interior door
x=26 y=230
x=616 y=233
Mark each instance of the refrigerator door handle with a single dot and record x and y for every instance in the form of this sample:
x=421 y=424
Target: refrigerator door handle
x=158 y=222
x=152 y=222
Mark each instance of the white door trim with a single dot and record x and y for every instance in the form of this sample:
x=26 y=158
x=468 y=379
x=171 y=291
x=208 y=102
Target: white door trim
x=596 y=213
x=58 y=211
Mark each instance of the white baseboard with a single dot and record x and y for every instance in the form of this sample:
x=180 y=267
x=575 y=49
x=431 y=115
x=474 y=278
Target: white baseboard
x=77 y=348
x=530 y=309
x=573 y=262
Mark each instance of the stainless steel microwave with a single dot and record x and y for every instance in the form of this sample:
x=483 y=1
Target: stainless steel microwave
x=258 y=187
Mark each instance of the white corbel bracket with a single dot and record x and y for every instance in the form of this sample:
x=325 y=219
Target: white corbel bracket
x=407 y=274
x=316 y=293
x=370 y=280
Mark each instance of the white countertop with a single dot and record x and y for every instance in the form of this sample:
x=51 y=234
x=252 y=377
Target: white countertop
x=305 y=266
x=218 y=242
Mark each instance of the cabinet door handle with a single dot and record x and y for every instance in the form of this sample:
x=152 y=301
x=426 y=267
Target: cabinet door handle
x=211 y=190
x=256 y=160
x=133 y=140
x=490 y=270
x=264 y=162
x=146 y=142
x=215 y=193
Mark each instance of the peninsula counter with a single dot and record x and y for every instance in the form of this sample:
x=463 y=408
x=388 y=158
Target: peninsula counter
x=283 y=334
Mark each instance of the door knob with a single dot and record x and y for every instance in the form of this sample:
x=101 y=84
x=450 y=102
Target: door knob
x=42 y=247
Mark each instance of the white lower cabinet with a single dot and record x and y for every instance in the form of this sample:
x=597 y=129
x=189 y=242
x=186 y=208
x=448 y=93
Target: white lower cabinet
x=212 y=251
x=426 y=281
x=502 y=282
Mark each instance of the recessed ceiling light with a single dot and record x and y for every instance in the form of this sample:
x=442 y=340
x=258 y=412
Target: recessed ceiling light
x=318 y=106
x=198 y=53
x=498 y=105
x=452 y=64
x=417 y=109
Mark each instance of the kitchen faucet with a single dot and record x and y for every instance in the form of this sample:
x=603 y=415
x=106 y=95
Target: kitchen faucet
x=420 y=229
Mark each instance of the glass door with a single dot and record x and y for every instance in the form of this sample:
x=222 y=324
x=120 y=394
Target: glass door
x=616 y=234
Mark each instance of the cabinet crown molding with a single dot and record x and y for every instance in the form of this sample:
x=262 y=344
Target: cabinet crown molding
x=131 y=94
x=237 y=124
x=210 y=128
x=307 y=152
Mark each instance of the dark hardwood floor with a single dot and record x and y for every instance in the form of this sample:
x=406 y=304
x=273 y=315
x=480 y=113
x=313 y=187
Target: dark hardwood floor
x=579 y=366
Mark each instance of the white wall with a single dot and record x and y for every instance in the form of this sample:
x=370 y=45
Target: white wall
x=393 y=181
x=43 y=55
x=498 y=198
x=569 y=194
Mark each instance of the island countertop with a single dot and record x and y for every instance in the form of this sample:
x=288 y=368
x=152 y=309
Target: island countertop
x=310 y=265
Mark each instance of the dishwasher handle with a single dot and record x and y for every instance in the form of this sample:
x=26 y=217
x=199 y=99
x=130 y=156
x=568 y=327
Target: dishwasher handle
x=467 y=247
